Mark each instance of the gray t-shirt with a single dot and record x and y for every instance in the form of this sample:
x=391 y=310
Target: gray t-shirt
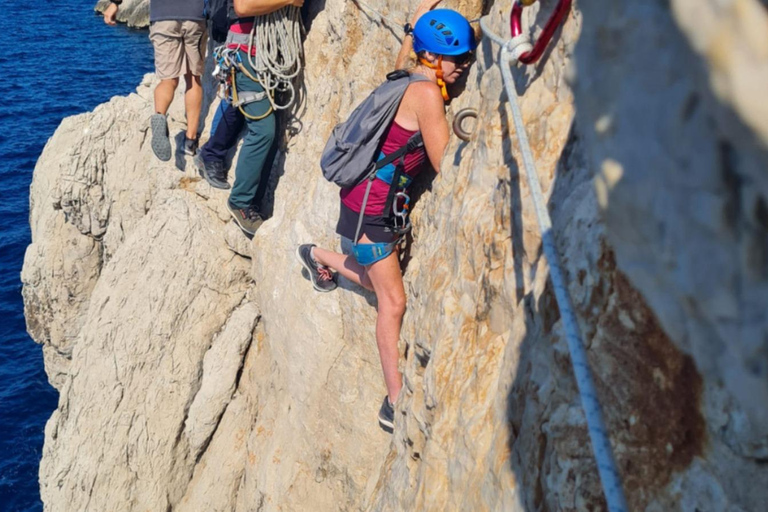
x=160 y=10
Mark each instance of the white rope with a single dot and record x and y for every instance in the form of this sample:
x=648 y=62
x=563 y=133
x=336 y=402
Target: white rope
x=489 y=33
x=601 y=445
x=277 y=61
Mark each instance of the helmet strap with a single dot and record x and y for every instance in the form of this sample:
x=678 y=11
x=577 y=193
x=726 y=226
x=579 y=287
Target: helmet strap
x=439 y=73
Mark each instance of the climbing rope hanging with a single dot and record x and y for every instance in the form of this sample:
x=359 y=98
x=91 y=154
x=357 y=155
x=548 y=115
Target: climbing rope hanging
x=277 y=61
x=512 y=51
x=390 y=21
x=393 y=23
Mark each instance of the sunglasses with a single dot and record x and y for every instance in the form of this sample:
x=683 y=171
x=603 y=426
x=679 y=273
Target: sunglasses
x=462 y=59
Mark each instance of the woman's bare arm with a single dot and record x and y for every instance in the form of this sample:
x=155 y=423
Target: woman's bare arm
x=430 y=112
x=244 y=8
x=407 y=47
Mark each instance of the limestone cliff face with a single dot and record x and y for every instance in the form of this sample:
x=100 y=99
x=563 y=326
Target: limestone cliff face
x=134 y=13
x=200 y=371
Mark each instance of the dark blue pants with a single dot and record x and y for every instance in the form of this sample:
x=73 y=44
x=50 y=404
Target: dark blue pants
x=225 y=136
x=255 y=160
x=259 y=144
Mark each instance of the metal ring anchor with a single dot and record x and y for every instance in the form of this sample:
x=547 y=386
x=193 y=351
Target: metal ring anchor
x=458 y=120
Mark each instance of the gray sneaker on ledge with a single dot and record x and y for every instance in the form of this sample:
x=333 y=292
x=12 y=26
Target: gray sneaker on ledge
x=247 y=219
x=387 y=416
x=319 y=282
x=213 y=172
x=161 y=144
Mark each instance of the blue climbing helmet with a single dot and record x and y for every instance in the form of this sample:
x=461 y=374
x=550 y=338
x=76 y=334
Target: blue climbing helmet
x=443 y=32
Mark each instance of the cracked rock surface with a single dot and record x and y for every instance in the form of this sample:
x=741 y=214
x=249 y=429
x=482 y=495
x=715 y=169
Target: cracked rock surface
x=198 y=370
x=134 y=13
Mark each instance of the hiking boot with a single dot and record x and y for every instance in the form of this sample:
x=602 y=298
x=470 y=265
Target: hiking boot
x=248 y=219
x=190 y=146
x=387 y=416
x=213 y=171
x=161 y=144
x=320 y=282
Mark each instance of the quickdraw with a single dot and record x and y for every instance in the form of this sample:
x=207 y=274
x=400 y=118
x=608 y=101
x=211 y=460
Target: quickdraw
x=228 y=62
x=402 y=221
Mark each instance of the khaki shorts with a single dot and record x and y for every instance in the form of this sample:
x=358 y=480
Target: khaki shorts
x=179 y=47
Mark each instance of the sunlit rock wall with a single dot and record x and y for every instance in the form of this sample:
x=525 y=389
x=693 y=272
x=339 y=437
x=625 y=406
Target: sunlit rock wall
x=200 y=371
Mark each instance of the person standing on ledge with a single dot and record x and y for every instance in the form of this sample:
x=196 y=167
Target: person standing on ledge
x=250 y=178
x=227 y=123
x=178 y=34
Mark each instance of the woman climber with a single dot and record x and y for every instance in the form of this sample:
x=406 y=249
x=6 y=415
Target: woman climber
x=444 y=43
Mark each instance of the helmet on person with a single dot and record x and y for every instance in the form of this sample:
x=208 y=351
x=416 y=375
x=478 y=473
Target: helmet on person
x=443 y=32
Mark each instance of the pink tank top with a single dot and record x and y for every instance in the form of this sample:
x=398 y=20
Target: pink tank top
x=395 y=138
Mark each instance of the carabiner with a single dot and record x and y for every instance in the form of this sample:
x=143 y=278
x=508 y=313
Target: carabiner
x=515 y=26
x=406 y=205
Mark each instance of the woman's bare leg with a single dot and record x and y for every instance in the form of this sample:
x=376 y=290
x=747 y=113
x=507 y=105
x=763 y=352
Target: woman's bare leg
x=387 y=282
x=385 y=278
x=345 y=265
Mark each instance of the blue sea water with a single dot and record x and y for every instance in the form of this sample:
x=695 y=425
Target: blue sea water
x=56 y=59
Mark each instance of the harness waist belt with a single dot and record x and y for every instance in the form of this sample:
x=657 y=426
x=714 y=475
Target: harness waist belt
x=237 y=39
x=246 y=97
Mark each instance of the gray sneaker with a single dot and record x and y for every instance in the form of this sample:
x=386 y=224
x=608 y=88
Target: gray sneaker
x=213 y=172
x=248 y=219
x=319 y=282
x=161 y=144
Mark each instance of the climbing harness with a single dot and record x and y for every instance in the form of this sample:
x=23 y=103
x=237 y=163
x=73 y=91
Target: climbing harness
x=274 y=52
x=398 y=202
x=512 y=51
x=228 y=62
x=458 y=120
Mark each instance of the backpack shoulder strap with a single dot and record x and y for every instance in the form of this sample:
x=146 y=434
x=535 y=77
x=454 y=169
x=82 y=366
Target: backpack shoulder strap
x=414 y=142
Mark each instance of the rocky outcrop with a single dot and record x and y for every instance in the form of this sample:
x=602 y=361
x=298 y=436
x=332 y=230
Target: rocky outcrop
x=684 y=187
x=134 y=13
x=199 y=371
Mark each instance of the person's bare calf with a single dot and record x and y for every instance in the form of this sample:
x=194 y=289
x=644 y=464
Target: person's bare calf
x=164 y=95
x=193 y=103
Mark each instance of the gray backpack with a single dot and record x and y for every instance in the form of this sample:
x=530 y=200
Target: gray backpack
x=348 y=157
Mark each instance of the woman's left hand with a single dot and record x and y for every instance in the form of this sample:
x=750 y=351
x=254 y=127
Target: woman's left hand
x=424 y=7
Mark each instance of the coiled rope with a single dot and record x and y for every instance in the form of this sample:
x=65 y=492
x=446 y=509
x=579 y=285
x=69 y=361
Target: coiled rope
x=601 y=446
x=277 y=61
